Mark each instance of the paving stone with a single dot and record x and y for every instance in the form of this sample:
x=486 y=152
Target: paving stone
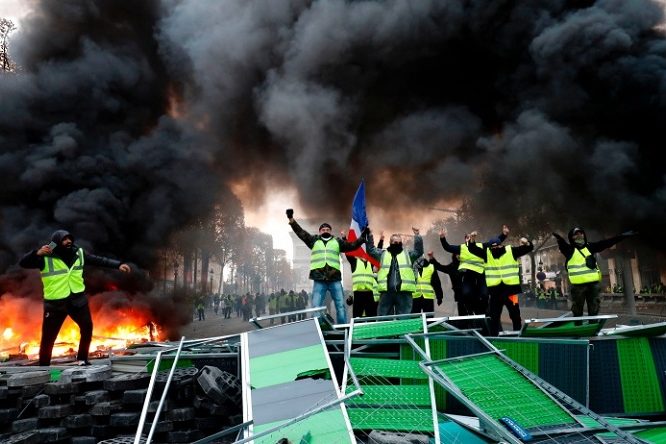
x=162 y=426
x=168 y=405
x=40 y=401
x=101 y=431
x=127 y=382
x=134 y=397
x=77 y=421
x=106 y=408
x=91 y=373
x=8 y=415
x=31 y=437
x=24 y=425
x=31 y=390
x=124 y=419
x=184 y=435
x=54 y=411
x=63 y=388
x=180 y=414
x=96 y=396
x=29 y=378
x=84 y=440
x=219 y=385
x=53 y=434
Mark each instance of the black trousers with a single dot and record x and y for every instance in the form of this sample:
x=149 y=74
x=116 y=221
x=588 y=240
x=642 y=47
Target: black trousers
x=55 y=312
x=422 y=304
x=364 y=301
x=473 y=290
x=500 y=298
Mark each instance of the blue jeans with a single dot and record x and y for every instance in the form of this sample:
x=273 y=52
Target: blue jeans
x=335 y=288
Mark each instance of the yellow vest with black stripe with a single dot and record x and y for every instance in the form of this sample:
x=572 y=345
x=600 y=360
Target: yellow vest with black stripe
x=469 y=261
x=579 y=272
x=423 y=284
x=325 y=254
x=405 y=268
x=59 y=280
x=363 y=279
x=502 y=270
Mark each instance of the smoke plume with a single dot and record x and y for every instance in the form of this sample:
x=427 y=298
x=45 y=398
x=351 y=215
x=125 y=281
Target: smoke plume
x=128 y=117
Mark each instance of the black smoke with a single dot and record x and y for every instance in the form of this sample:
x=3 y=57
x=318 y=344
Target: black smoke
x=551 y=106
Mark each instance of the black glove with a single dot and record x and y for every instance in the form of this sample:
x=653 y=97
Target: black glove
x=350 y=300
x=439 y=302
x=366 y=232
x=630 y=233
x=290 y=213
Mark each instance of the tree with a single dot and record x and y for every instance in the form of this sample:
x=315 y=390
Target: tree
x=6 y=28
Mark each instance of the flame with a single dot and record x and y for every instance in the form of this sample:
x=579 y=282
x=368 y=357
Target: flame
x=113 y=329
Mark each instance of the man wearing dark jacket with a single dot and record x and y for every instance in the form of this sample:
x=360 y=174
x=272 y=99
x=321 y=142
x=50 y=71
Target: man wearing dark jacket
x=502 y=275
x=325 y=264
x=61 y=264
x=464 y=307
x=582 y=268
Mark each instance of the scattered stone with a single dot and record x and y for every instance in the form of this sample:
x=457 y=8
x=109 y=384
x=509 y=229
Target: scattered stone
x=181 y=414
x=29 y=378
x=78 y=421
x=63 y=388
x=124 y=419
x=51 y=434
x=127 y=382
x=105 y=408
x=32 y=437
x=96 y=396
x=8 y=415
x=134 y=397
x=54 y=411
x=24 y=425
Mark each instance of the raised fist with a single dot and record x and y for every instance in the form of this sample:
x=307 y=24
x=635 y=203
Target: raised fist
x=290 y=213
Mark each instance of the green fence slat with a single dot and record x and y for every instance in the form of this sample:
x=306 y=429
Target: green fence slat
x=640 y=386
x=523 y=352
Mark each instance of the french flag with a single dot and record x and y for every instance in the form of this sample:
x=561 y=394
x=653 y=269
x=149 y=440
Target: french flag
x=358 y=222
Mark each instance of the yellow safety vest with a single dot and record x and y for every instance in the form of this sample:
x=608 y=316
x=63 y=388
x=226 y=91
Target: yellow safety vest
x=60 y=281
x=325 y=254
x=405 y=268
x=469 y=261
x=579 y=272
x=423 y=285
x=504 y=269
x=362 y=277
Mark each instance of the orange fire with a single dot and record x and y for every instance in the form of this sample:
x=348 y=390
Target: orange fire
x=113 y=329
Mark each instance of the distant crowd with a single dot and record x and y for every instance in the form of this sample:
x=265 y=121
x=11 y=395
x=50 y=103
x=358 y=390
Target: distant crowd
x=250 y=305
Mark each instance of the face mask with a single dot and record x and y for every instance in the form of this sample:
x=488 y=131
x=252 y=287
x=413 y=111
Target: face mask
x=580 y=242
x=326 y=236
x=397 y=247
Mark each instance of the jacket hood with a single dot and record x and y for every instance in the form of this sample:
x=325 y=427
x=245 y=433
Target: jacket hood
x=574 y=230
x=59 y=235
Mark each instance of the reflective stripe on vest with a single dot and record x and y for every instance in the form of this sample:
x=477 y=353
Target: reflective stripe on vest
x=579 y=272
x=423 y=285
x=325 y=254
x=469 y=261
x=58 y=280
x=362 y=277
x=405 y=268
x=504 y=269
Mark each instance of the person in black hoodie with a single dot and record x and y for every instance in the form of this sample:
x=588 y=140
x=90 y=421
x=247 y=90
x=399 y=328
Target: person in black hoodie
x=61 y=265
x=582 y=268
